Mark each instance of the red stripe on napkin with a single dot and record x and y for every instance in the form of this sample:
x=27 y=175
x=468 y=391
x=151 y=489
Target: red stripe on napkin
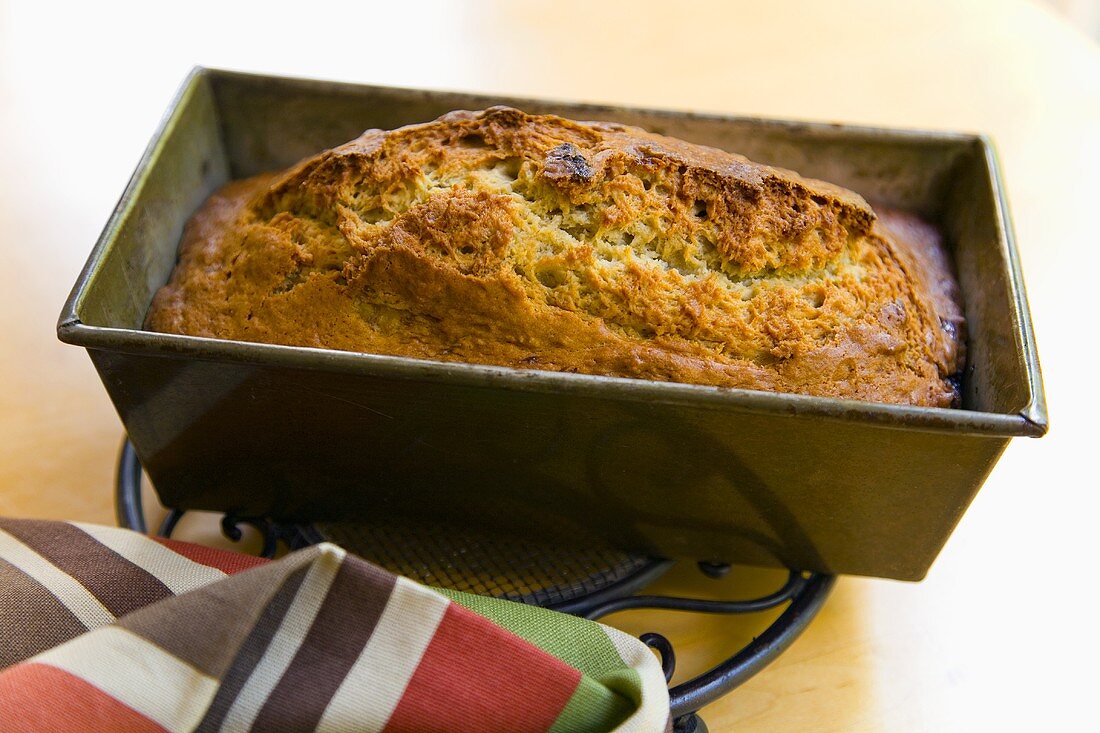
x=478 y=678
x=225 y=560
x=37 y=697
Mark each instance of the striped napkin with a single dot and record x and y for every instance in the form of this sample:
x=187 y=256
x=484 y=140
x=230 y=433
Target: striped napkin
x=103 y=629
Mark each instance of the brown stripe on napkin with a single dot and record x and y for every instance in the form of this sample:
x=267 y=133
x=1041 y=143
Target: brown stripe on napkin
x=355 y=601
x=251 y=651
x=120 y=585
x=42 y=621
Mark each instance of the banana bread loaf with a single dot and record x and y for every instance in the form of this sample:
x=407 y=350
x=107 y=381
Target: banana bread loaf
x=498 y=237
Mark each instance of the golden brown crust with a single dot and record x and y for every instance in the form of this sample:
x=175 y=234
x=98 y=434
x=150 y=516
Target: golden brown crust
x=498 y=237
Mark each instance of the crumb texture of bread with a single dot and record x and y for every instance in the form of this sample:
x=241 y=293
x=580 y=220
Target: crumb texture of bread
x=498 y=237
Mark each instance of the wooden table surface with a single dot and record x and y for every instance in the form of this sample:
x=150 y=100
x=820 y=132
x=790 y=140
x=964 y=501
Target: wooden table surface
x=1003 y=633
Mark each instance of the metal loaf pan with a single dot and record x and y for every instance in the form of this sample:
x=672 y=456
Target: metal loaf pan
x=673 y=469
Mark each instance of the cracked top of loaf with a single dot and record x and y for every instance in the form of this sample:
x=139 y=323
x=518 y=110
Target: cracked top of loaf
x=532 y=241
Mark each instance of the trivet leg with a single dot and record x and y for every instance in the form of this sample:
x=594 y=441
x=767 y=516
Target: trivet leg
x=690 y=723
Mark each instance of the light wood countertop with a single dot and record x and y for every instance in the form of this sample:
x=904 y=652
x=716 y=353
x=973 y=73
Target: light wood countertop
x=1001 y=635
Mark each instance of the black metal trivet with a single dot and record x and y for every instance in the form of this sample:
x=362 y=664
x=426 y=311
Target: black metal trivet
x=590 y=583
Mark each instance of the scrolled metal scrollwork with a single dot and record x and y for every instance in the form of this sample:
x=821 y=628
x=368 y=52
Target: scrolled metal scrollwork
x=805 y=592
x=664 y=648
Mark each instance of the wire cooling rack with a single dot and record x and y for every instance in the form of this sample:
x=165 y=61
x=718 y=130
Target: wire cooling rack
x=590 y=582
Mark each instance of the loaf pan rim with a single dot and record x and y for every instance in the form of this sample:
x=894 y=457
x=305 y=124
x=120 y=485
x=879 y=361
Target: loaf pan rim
x=1026 y=423
x=910 y=134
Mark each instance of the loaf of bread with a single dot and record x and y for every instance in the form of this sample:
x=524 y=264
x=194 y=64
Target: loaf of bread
x=503 y=238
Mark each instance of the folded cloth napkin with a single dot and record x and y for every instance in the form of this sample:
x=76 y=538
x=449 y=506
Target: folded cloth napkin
x=104 y=629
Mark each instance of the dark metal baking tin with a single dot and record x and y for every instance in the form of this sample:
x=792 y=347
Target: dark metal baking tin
x=679 y=470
